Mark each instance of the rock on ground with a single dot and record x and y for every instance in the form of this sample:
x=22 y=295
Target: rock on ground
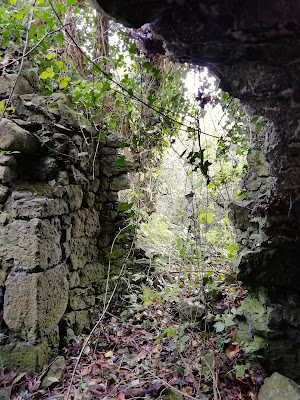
x=278 y=387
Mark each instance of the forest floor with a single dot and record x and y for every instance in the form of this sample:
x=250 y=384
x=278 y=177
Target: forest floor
x=155 y=348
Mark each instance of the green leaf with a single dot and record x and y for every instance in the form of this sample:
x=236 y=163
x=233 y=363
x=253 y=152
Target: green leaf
x=19 y=377
x=44 y=75
x=124 y=206
x=219 y=326
x=179 y=243
x=120 y=161
x=241 y=369
x=185 y=339
x=49 y=56
x=210 y=217
x=63 y=84
x=60 y=64
x=229 y=320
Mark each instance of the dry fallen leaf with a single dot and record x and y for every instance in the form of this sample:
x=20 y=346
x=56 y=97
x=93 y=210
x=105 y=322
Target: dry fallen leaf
x=109 y=354
x=231 y=351
x=86 y=370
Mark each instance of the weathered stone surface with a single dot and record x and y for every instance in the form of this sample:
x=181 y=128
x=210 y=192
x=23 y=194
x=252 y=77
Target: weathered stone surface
x=75 y=194
x=7 y=175
x=37 y=207
x=278 y=387
x=14 y=138
x=5 y=393
x=70 y=116
x=191 y=310
x=28 y=245
x=25 y=357
x=62 y=178
x=119 y=183
x=171 y=394
x=83 y=251
x=55 y=373
x=29 y=305
x=8 y=160
x=81 y=299
x=7 y=83
x=109 y=168
x=4 y=192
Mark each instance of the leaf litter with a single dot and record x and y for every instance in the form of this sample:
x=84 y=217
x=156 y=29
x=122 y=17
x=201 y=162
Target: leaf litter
x=144 y=350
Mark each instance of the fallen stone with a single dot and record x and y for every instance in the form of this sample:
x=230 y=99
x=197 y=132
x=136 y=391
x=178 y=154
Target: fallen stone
x=5 y=393
x=279 y=387
x=24 y=356
x=171 y=394
x=191 y=310
x=55 y=373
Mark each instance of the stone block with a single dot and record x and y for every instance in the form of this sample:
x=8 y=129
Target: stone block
x=62 y=178
x=95 y=184
x=88 y=199
x=55 y=373
x=109 y=168
x=279 y=387
x=81 y=298
x=8 y=160
x=34 y=303
x=85 y=222
x=7 y=175
x=24 y=356
x=8 y=82
x=91 y=274
x=119 y=183
x=37 y=207
x=15 y=138
x=83 y=251
x=32 y=244
x=78 y=178
x=4 y=192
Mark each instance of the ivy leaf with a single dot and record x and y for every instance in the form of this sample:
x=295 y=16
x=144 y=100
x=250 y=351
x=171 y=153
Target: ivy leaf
x=210 y=217
x=124 y=206
x=49 y=56
x=60 y=64
x=44 y=75
x=219 y=326
x=120 y=161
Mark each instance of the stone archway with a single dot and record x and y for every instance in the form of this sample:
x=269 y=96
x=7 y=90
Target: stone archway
x=253 y=47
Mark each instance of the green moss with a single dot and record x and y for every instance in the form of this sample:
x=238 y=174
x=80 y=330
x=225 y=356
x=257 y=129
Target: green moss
x=38 y=190
x=53 y=105
x=25 y=358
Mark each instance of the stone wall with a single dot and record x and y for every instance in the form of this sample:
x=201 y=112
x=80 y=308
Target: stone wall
x=58 y=218
x=253 y=48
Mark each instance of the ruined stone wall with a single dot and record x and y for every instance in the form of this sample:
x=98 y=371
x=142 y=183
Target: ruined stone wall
x=253 y=48
x=58 y=218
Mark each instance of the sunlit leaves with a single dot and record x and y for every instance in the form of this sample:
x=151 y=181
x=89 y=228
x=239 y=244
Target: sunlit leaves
x=49 y=73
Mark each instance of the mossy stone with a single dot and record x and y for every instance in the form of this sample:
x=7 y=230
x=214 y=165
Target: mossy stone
x=24 y=357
